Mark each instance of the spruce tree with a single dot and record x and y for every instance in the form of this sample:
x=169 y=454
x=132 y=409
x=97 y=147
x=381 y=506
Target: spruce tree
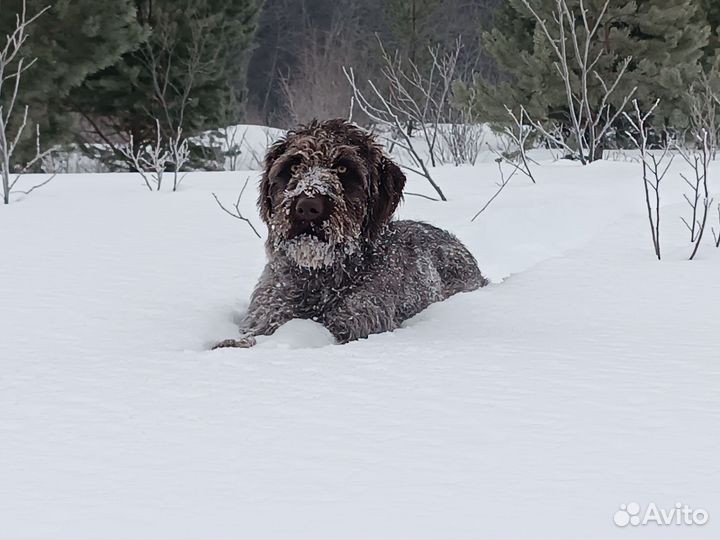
x=712 y=14
x=412 y=25
x=665 y=39
x=71 y=41
x=188 y=73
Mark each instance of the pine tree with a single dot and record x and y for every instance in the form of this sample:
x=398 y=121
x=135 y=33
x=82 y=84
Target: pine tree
x=411 y=27
x=71 y=41
x=186 y=75
x=665 y=39
x=712 y=14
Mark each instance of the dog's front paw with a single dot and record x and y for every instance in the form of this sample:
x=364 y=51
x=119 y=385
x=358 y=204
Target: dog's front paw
x=244 y=342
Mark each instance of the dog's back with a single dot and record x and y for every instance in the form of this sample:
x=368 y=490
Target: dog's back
x=456 y=266
x=418 y=264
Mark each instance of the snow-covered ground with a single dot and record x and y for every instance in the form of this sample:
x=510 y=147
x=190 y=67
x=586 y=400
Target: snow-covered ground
x=585 y=377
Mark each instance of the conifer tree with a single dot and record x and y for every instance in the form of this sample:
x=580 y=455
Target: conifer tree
x=665 y=39
x=71 y=41
x=186 y=75
x=411 y=27
x=712 y=14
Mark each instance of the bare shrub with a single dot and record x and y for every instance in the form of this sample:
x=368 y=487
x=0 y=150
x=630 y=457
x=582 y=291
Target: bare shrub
x=415 y=100
x=179 y=155
x=176 y=62
x=515 y=137
x=577 y=50
x=703 y=101
x=232 y=146
x=386 y=115
x=174 y=96
x=12 y=66
x=461 y=139
x=654 y=167
x=420 y=98
x=698 y=158
x=311 y=90
x=257 y=154
x=149 y=161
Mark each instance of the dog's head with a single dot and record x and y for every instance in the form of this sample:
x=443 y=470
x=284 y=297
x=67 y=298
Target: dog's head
x=327 y=188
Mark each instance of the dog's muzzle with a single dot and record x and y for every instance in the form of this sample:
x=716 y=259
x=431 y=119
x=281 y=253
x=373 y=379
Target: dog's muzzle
x=310 y=209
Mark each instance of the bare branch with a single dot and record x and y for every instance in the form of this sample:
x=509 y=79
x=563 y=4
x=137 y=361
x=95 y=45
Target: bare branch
x=9 y=53
x=415 y=100
x=699 y=200
x=151 y=158
x=501 y=186
x=716 y=235
x=37 y=186
x=518 y=135
x=179 y=155
x=421 y=195
x=653 y=168
x=237 y=214
x=385 y=114
x=590 y=119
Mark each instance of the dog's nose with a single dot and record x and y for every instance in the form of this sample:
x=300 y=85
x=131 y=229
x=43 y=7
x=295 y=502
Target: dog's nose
x=309 y=208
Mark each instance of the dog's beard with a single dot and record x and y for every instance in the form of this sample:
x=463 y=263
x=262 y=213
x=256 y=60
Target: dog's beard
x=311 y=252
x=318 y=245
x=323 y=246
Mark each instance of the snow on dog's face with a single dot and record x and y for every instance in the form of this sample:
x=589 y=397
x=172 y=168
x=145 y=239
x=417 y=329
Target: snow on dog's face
x=326 y=189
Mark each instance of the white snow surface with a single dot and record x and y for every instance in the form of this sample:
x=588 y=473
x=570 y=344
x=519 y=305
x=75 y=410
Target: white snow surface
x=586 y=376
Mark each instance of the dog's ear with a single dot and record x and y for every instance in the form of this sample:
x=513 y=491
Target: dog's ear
x=390 y=185
x=264 y=200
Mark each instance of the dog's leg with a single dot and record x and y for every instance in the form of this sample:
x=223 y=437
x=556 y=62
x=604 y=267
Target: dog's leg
x=360 y=314
x=268 y=311
x=244 y=342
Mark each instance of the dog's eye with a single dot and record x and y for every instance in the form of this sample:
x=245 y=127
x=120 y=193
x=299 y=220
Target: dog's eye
x=281 y=175
x=349 y=175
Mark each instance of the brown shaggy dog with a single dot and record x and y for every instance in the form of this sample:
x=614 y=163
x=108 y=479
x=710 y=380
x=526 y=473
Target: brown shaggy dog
x=327 y=195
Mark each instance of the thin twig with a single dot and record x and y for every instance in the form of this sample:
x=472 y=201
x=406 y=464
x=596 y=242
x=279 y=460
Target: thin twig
x=37 y=186
x=503 y=182
x=238 y=213
x=421 y=195
x=716 y=235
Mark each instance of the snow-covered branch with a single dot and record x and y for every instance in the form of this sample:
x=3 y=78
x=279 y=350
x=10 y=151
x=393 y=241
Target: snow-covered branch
x=149 y=161
x=179 y=154
x=12 y=67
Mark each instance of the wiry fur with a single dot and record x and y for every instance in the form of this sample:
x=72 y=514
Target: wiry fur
x=356 y=272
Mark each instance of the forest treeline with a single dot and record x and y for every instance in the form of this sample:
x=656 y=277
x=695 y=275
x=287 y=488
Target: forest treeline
x=113 y=73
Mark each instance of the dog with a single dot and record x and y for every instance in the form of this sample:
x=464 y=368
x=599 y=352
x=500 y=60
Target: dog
x=327 y=196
